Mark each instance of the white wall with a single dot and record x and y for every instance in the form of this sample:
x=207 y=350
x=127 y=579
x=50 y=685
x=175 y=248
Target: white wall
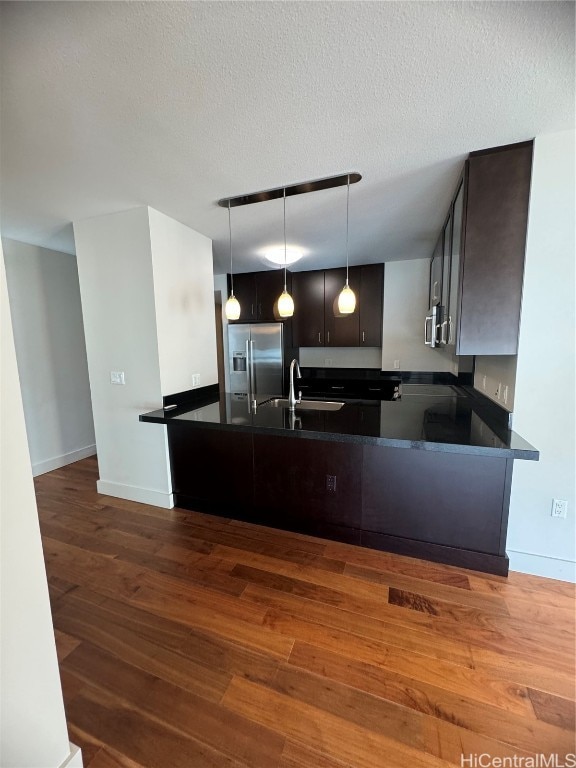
x=340 y=357
x=544 y=411
x=493 y=374
x=184 y=299
x=33 y=729
x=405 y=306
x=148 y=304
x=116 y=284
x=51 y=353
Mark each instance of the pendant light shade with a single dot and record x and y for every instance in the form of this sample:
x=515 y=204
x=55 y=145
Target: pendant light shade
x=346 y=300
x=285 y=304
x=232 y=309
x=347 y=297
x=285 y=301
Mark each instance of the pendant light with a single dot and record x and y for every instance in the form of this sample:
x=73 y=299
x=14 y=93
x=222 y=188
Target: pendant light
x=232 y=309
x=285 y=302
x=347 y=297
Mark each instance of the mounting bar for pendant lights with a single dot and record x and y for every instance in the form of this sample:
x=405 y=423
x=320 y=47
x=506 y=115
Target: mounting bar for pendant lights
x=293 y=189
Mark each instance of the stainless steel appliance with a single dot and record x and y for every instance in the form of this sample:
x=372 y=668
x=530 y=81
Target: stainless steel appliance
x=433 y=326
x=256 y=358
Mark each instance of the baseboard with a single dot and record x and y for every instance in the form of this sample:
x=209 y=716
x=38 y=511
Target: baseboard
x=542 y=565
x=74 y=759
x=41 y=467
x=133 y=493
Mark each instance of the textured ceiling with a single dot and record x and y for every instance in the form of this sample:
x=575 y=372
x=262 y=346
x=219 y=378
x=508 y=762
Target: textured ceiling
x=107 y=106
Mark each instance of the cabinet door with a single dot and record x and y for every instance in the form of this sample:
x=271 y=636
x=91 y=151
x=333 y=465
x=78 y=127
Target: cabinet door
x=371 y=304
x=498 y=195
x=446 y=240
x=245 y=292
x=455 y=260
x=308 y=321
x=269 y=286
x=341 y=330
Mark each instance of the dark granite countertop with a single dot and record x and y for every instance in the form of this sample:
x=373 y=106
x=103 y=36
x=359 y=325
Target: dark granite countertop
x=430 y=418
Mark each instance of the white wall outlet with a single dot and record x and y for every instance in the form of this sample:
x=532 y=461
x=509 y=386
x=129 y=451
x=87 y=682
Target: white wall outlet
x=396 y=364
x=117 y=377
x=328 y=362
x=195 y=379
x=559 y=508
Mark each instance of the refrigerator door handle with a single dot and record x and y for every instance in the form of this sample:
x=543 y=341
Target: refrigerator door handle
x=252 y=380
x=248 y=369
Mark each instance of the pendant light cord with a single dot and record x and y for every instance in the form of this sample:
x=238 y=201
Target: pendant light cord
x=347 y=220
x=230 y=234
x=284 y=239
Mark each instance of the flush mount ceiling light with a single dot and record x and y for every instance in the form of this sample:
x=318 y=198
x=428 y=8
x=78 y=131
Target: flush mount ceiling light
x=283 y=255
x=347 y=297
x=285 y=301
x=232 y=309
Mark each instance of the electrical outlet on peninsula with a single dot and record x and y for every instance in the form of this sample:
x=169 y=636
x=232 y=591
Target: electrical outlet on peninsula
x=195 y=380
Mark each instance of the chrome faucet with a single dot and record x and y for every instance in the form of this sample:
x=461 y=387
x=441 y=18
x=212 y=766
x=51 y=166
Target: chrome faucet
x=292 y=400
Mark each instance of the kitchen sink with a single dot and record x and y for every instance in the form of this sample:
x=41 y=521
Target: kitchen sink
x=305 y=405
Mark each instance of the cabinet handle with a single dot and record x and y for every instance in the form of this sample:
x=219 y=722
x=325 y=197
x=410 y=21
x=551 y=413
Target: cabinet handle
x=336 y=387
x=426 y=321
x=374 y=389
x=319 y=339
x=443 y=336
x=438 y=334
x=328 y=337
x=363 y=336
x=450 y=333
x=252 y=310
x=434 y=295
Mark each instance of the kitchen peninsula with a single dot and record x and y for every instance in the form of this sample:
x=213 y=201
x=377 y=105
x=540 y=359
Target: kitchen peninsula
x=426 y=475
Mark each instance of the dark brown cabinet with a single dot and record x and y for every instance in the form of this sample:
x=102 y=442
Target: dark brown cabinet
x=317 y=322
x=308 y=320
x=294 y=480
x=199 y=460
x=370 y=304
x=444 y=506
x=341 y=330
x=481 y=253
x=245 y=292
x=258 y=293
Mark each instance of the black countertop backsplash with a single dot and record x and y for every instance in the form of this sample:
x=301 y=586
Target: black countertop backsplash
x=431 y=417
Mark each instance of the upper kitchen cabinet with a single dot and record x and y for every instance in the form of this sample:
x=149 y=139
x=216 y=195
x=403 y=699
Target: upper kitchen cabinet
x=487 y=224
x=341 y=330
x=258 y=293
x=308 y=320
x=370 y=304
x=317 y=321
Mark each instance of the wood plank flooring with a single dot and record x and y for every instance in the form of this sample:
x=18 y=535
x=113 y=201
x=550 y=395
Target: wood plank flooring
x=190 y=640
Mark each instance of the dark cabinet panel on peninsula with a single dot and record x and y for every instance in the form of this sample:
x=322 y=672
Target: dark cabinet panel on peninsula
x=453 y=500
x=294 y=489
x=212 y=470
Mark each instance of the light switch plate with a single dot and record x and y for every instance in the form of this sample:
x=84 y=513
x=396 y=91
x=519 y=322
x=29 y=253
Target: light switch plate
x=195 y=379
x=117 y=377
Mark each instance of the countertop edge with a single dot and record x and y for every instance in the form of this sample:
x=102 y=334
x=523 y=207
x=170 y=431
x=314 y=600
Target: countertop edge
x=420 y=445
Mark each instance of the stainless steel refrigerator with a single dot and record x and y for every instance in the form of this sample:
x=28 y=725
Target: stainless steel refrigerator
x=256 y=358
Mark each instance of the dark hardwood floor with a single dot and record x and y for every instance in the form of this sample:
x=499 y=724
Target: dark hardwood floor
x=187 y=640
